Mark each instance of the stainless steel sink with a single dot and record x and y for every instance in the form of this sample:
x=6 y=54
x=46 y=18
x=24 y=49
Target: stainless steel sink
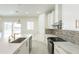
x=19 y=40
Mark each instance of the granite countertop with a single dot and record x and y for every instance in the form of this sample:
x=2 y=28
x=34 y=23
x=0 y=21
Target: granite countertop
x=67 y=47
x=50 y=35
x=10 y=48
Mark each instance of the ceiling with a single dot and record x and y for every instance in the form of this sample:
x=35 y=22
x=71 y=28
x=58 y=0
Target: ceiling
x=24 y=9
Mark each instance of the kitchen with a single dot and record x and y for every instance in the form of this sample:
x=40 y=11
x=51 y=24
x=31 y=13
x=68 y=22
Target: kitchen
x=37 y=25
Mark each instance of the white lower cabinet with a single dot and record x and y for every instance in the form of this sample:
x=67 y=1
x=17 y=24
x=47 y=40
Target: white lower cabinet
x=59 y=50
x=56 y=50
x=23 y=49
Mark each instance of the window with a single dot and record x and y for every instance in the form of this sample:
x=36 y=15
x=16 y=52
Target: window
x=10 y=28
x=16 y=28
x=0 y=34
x=7 y=29
x=30 y=25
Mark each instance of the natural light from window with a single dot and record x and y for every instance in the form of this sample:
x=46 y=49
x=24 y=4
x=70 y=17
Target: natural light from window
x=10 y=28
x=30 y=25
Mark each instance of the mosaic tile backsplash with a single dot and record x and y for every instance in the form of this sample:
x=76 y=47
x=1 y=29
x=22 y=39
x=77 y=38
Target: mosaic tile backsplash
x=72 y=36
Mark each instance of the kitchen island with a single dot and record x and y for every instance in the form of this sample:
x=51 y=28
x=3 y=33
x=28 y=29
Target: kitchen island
x=16 y=48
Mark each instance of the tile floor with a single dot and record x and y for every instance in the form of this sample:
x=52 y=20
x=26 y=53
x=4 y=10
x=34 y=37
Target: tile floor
x=39 y=47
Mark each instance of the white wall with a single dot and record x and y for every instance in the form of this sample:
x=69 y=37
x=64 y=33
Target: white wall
x=23 y=23
x=41 y=35
x=70 y=12
x=41 y=24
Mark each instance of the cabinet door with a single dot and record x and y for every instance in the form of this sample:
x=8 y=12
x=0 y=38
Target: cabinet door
x=17 y=51
x=70 y=14
x=56 y=50
x=24 y=49
x=50 y=20
x=59 y=50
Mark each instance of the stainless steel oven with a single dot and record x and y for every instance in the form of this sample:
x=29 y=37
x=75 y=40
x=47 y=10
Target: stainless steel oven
x=51 y=41
x=50 y=46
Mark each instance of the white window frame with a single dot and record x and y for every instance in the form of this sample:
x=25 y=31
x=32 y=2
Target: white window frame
x=30 y=25
x=13 y=25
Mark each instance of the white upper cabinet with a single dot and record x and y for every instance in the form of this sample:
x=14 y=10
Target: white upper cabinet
x=70 y=14
x=50 y=20
x=54 y=17
x=58 y=17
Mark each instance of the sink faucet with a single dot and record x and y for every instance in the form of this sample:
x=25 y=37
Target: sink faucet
x=9 y=39
x=13 y=36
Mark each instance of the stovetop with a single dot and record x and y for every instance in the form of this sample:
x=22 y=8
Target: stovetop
x=56 y=39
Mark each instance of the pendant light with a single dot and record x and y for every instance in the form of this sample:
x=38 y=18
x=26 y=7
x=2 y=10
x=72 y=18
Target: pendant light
x=18 y=18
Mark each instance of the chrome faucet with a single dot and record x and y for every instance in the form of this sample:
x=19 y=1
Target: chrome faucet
x=9 y=39
x=13 y=36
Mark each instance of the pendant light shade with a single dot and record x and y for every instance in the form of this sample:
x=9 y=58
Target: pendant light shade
x=18 y=18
